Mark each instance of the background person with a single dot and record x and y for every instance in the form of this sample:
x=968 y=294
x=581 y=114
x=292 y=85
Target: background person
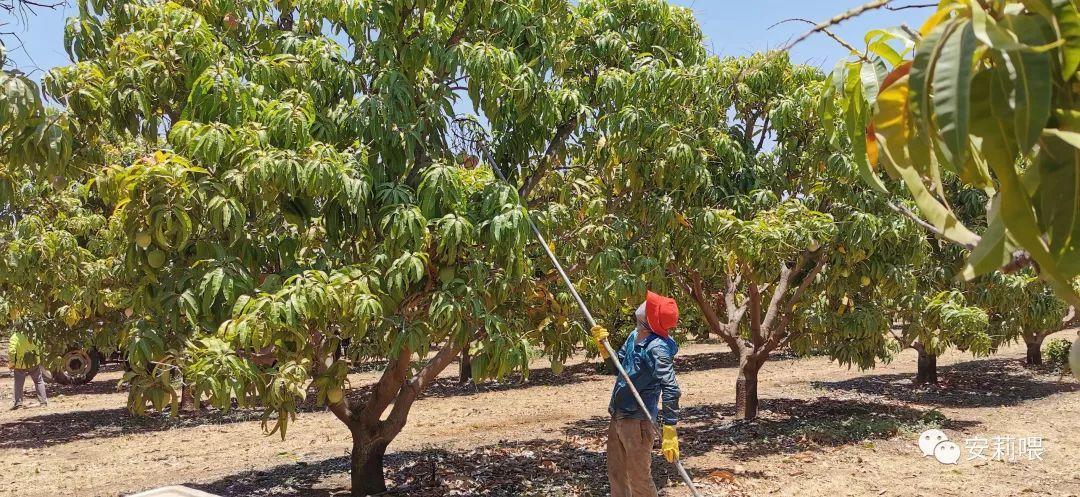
x=25 y=357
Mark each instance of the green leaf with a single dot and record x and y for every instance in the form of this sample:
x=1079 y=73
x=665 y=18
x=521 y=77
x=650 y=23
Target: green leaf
x=869 y=74
x=210 y=288
x=951 y=96
x=1016 y=212
x=1068 y=21
x=1032 y=84
x=1058 y=197
x=990 y=253
x=920 y=104
x=935 y=212
x=990 y=32
x=19 y=99
x=856 y=118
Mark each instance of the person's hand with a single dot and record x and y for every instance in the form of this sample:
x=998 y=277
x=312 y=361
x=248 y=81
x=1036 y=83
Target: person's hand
x=669 y=444
x=599 y=334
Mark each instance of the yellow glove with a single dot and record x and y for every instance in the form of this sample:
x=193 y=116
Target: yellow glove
x=599 y=334
x=669 y=445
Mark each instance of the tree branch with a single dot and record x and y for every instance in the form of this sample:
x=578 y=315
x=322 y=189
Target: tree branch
x=825 y=30
x=342 y=411
x=693 y=287
x=554 y=275
x=753 y=300
x=782 y=284
x=388 y=385
x=853 y=13
x=730 y=285
x=410 y=391
x=764 y=133
x=1019 y=259
x=562 y=133
x=796 y=296
x=929 y=227
x=340 y=408
x=725 y=330
x=912 y=6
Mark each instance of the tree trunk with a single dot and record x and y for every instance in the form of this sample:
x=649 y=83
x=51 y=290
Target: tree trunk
x=187 y=398
x=1034 y=351
x=746 y=395
x=367 y=467
x=927 y=372
x=465 y=371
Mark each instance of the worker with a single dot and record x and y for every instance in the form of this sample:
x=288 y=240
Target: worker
x=25 y=357
x=647 y=357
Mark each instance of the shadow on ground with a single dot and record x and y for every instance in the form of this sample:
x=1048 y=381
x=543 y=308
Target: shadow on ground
x=97 y=386
x=786 y=426
x=977 y=383
x=49 y=429
x=576 y=465
x=534 y=468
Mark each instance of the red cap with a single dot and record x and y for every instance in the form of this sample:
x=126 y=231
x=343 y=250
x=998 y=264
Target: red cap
x=661 y=312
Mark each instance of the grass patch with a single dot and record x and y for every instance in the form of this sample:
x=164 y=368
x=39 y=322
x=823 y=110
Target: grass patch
x=861 y=426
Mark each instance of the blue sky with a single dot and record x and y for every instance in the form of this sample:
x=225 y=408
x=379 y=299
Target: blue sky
x=732 y=27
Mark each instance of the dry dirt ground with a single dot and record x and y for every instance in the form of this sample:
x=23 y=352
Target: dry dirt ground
x=824 y=430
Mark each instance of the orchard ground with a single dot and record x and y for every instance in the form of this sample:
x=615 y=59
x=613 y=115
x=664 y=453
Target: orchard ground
x=824 y=430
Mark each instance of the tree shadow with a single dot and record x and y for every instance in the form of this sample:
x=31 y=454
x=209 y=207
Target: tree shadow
x=97 y=386
x=533 y=468
x=978 y=383
x=576 y=373
x=576 y=464
x=787 y=426
x=46 y=430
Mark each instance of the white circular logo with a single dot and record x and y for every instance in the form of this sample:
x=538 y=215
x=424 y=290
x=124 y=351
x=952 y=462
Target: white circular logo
x=947 y=452
x=929 y=439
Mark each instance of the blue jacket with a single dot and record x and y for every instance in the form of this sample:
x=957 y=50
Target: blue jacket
x=649 y=365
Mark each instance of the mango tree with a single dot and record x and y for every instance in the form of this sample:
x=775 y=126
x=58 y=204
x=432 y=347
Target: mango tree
x=55 y=256
x=1022 y=307
x=303 y=195
x=904 y=298
x=717 y=183
x=917 y=302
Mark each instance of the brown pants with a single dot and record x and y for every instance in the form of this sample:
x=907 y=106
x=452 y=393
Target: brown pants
x=629 y=458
